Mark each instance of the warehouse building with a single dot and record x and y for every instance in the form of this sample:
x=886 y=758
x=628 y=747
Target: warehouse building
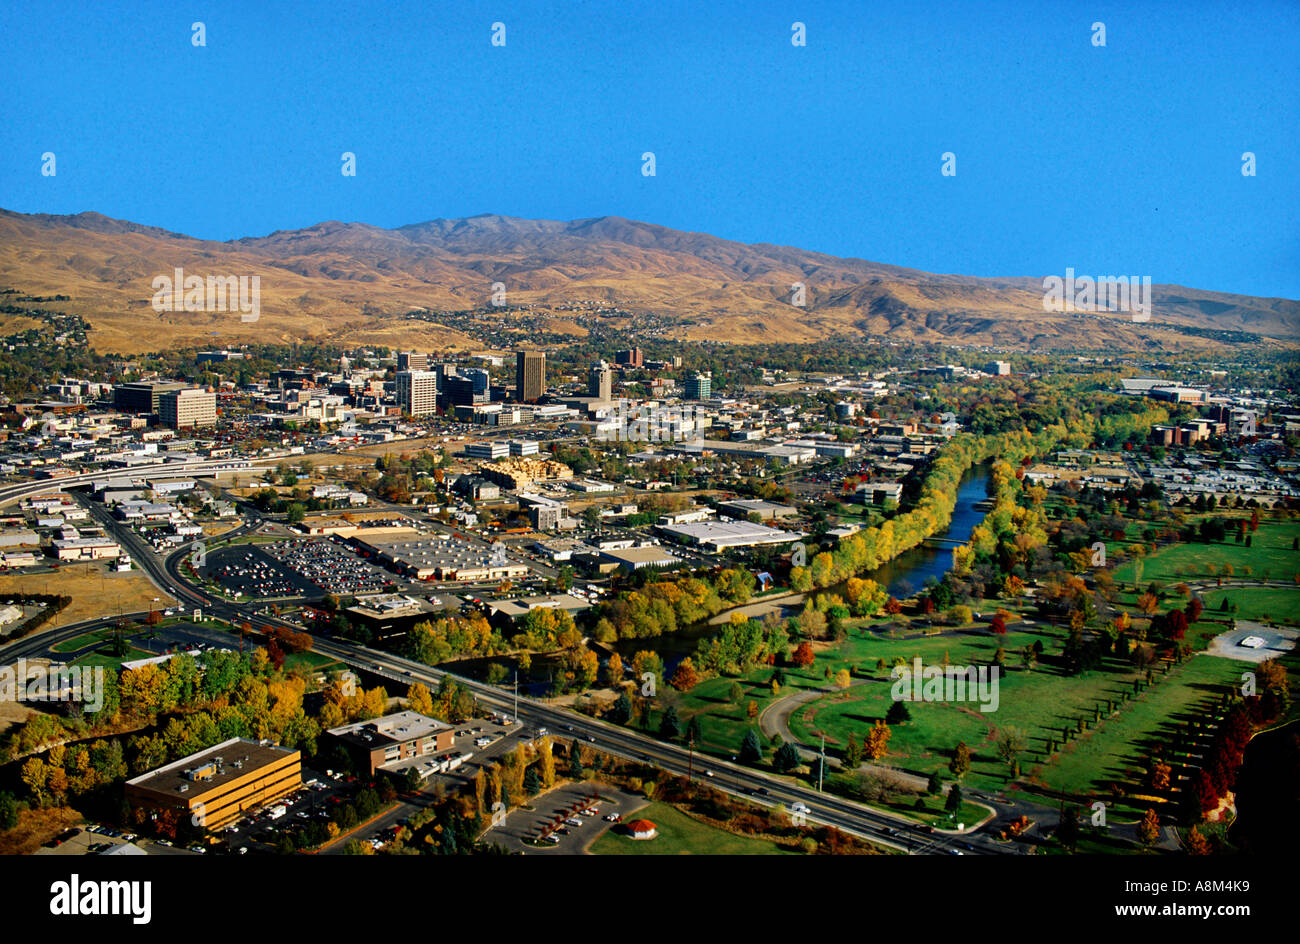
x=427 y=556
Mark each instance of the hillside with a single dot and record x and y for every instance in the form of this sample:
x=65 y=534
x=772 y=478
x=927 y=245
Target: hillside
x=355 y=283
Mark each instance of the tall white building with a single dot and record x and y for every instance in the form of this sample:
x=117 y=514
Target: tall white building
x=417 y=392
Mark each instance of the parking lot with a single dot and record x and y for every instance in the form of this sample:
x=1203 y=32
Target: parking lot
x=572 y=816
x=295 y=569
x=1253 y=642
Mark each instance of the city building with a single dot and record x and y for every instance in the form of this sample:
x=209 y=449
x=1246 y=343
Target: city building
x=387 y=615
x=388 y=742
x=466 y=388
x=417 y=392
x=494 y=449
x=600 y=381
x=188 y=408
x=530 y=376
x=217 y=786
x=142 y=397
x=699 y=387
x=429 y=556
x=412 y=360
x=632 y=358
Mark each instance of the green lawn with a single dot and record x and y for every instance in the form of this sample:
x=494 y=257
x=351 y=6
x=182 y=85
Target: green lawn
x=81 y=642
x=679 y=834
x=1279 y=604
x=104 y=659
x=1269 y=557
x=309 y=661
x=1118 y=749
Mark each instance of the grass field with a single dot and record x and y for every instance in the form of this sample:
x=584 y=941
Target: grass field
x=680 y=834
x=82 y=641
x=106 y=660
x=1269 y=557
x=1113 y=751
x=1276 y=604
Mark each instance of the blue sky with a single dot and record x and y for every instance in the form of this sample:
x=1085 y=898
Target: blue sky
x=1123 y=159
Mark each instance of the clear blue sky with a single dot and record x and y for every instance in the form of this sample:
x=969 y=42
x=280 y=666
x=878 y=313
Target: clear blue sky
x=1125 y=159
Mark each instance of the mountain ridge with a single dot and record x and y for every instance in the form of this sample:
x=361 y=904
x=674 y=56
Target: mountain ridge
x=353 y=282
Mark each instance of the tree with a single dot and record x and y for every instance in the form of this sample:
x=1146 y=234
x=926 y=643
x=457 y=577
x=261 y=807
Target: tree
x=1198 y=844
x=8 y=811
x=960 y=763
x=670 y=728
x=953 y=803
x=575 y=762
x=898 y=713
x=411 y=780
x=532 y=781
x=613 y=670
x=786 y=758
x=751 y=752
x=621 y=711
x=1067 y=831
x=877 y=742
x=852 y=752
x=685 y=677
x=803 y=655
x=1010 y=745
x=1149 y=829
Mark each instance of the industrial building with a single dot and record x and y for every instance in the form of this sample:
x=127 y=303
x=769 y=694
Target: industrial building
x=720 y=535
x=428 y=556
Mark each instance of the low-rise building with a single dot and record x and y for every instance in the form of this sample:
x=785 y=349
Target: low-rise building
x=216 y=786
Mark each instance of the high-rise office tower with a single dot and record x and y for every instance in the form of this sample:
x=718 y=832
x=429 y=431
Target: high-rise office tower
x=600 y=381
x=417 y=392
x=530 y=380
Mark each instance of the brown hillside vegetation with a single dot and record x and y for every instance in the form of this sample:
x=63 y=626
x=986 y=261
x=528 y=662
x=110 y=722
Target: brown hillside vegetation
x=352 y=283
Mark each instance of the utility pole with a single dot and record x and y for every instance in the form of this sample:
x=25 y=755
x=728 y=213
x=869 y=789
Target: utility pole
x=821 y=768
x=690 y=757
x=516 y=694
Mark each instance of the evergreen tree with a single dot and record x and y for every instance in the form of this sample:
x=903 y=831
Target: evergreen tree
x=787 y=758
x=669 y=727
x=897 y=713
x=751 y=752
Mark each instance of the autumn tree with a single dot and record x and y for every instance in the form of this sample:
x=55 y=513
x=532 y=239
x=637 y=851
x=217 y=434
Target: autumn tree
x=960 y=763
x=877 y=741
x=1149 y=829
